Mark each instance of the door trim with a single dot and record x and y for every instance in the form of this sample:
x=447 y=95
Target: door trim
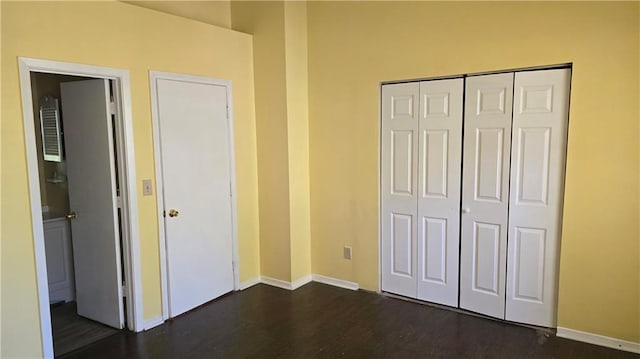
x=567 y=65
x=154 y=76
x=128 y=181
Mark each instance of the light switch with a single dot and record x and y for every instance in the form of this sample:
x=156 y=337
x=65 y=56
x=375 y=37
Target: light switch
x=147 y=189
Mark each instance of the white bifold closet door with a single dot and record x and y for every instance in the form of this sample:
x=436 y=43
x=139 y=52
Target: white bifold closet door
x=439 y=153
x=399 y=187
x=540 y=120
x=488 y=203
x=485 y=193
x=421 y=141
x=512 y=194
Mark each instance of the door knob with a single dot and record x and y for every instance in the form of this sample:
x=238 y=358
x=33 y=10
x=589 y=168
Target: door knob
x=173 y=213
x=72 y=215
x=466 y=210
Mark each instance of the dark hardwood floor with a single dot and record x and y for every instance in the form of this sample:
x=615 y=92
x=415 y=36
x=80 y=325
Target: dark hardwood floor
x=320 y=321
x=71 y=331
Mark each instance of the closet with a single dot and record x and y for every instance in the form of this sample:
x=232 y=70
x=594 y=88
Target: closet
x=472 y=179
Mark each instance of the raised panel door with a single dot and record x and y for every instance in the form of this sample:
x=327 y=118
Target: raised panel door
x=485 y=192
x=537 y=178
x=399 y=187
x=60 y=276
x=438 y=225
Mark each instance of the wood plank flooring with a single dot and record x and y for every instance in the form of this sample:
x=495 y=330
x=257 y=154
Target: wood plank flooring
x=320 y=321
x=71 y=331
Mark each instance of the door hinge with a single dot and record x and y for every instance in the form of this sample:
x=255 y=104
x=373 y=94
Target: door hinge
x=112 y=108
x=230 y=190
x=227 y=112
x=124 y=290
x=119 y=202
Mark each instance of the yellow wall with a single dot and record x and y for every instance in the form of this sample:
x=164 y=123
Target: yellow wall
x=216 y=12
x=353 y=46
x=295 y=23
x=124 y=36
x=280 y=60
x=265 y=20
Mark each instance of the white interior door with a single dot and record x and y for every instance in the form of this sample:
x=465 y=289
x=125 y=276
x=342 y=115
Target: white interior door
x=399 y=187
x=92 y=196
x=541 y=109
x=195 y=154
x=439 y=156
x=485 y=193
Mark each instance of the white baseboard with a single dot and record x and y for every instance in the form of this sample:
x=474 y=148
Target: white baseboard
x=276 y=282
x=598 y=340
x=301 y=281
x=249 y=283
x=152 y=323
x=335 y=282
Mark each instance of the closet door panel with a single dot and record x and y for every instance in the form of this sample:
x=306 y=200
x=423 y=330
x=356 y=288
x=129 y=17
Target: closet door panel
x=537 y=178
x=439 y=155
x=399 y=187
x=485 y=193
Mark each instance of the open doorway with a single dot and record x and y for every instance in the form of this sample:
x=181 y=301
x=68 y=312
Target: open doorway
x=74 y=321
x=83 y=198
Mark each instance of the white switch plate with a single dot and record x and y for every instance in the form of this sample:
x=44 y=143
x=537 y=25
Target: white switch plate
x=147 y=188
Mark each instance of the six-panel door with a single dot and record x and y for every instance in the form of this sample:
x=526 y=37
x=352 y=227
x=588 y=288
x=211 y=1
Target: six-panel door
x=438 y=232
x=485 y=193
x=399 y=187
x=540 y=118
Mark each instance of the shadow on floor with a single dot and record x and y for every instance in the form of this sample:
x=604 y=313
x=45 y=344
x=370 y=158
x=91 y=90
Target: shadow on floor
x=72 y=332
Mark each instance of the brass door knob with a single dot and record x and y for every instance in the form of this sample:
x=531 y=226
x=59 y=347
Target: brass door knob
x=72 y=215
x=173 y=213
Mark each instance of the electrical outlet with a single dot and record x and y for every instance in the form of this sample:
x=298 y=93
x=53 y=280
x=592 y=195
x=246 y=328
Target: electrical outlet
x=147 y=189
x=347 y=252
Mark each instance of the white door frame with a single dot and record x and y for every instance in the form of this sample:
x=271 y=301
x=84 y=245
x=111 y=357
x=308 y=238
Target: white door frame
x=154 y=76
x=124 y=132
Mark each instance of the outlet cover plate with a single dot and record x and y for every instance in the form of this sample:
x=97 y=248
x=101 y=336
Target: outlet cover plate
x=347 y=252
